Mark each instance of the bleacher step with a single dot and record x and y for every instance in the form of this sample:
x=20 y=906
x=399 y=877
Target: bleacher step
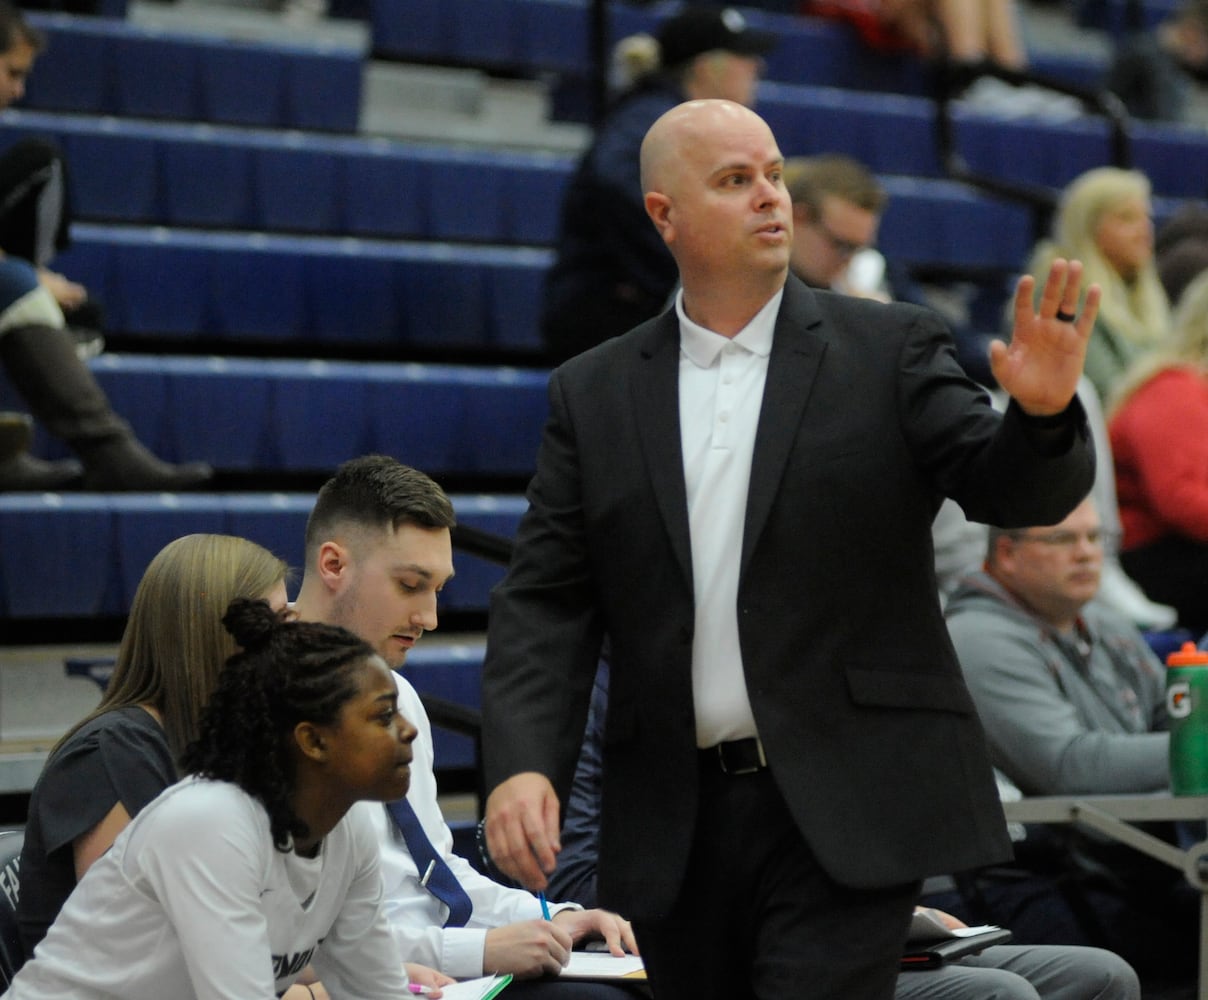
x=462 y=106
x=247 y=20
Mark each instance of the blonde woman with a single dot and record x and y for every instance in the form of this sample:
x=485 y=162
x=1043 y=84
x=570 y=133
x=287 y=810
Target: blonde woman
x=1105 y=220
x=1159 y=437
x=123 y=754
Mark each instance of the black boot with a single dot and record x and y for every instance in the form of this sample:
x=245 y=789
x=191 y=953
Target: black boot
x=42 y=364
x=24 y=473
x=16 y=431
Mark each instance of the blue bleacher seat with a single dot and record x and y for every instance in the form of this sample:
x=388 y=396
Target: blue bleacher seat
x=104 y=66
x=296 y=187
x=156 y=78
x=75 y=70
x=452 y=671
x=323 y=90
x=513 y=302
x=352 y=298
x=113 y=175
x=530 y=193
x=465 y=202
x=144 y=523
x=310 y=415
x=205 y=182
x=404 y=30
x=243 y=85
x=483 y=33
x=199 y=175
x=386 y=191
x=76 y=555
x=891 y=134
x=56 y=556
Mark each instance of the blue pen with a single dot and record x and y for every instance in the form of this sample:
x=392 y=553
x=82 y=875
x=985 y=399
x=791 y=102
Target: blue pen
x=544 y=905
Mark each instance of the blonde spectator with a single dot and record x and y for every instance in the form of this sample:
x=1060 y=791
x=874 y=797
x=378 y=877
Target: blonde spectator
x=1104 y=219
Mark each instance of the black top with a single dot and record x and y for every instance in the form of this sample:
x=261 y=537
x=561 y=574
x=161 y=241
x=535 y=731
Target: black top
x=120 y=756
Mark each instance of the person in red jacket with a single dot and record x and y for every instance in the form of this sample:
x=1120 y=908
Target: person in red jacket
x=1159 y=436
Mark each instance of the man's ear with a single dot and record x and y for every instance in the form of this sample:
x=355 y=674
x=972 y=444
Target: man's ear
x=802 y=213
x=332 y=562
x=310 y=742
x=658 y=207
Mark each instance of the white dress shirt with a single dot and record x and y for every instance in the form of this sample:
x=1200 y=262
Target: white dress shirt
x=416 y=916
x=721 y=382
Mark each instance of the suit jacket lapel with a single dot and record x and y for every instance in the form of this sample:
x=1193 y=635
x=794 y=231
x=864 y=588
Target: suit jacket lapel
x=797 y=354
x=656 y=401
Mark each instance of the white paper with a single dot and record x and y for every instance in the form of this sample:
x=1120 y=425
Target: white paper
x=596 y=965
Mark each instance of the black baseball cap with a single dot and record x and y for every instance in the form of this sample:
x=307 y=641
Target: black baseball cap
x=695 y=30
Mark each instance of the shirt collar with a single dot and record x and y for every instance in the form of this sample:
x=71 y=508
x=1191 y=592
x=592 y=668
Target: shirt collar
x=702 y=346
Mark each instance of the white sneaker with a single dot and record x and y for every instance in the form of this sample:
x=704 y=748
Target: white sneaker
x=303 y=11
x=991 y=96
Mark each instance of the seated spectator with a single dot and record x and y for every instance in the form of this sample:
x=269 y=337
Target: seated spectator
x=378 y=552
x=837 y=207
x=1153 y=72
x=1105 y=219
x=113 y=762
x=1159 y=437
x=612 y=270
x=1071 y=697
x=234 y=879
x=35 y=203
x=1073 y=702
x=38 y=350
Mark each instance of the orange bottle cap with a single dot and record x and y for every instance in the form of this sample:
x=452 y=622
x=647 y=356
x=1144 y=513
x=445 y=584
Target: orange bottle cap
x=1188 y=656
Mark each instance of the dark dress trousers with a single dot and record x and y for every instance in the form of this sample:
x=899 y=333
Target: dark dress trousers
x=867 y=421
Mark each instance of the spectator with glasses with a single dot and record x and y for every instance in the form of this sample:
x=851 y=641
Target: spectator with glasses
x=1070 y=694
x=1072 y=701
x=837 y=206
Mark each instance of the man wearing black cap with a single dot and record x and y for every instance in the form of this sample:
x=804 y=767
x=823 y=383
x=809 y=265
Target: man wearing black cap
x=612 y=270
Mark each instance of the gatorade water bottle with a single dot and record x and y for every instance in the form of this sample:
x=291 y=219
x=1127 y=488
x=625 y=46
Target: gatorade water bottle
x=1187 y=706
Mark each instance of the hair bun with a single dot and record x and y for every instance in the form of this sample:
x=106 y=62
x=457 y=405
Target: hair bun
x=251 y=622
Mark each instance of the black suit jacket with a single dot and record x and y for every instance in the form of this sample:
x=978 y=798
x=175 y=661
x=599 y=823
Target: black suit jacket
x=867 y=420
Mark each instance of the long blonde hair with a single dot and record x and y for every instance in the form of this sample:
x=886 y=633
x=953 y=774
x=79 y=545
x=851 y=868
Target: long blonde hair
x=1138 y=310
x=1186 y=347
x=174 y=644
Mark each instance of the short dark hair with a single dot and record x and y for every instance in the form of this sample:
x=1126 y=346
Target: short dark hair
x=14 y=28
x=377 y=491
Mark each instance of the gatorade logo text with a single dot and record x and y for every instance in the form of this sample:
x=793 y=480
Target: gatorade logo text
x=1178 y=700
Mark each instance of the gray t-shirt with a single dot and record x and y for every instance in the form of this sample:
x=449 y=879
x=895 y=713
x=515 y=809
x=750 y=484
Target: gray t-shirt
x=120 y=756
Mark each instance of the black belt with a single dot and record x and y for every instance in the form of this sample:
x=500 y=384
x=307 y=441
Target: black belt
x=736 y=756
